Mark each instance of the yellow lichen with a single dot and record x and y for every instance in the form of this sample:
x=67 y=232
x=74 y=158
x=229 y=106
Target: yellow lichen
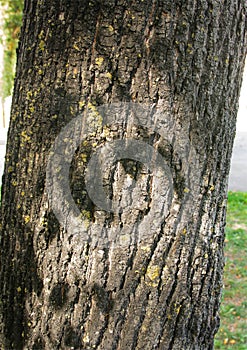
x=25 y=137
x=42 y=45
x=27 y=219
x=92 y=107
x=76 y=47
x=86 y=338
x=99 y=61
x=177 y=309
x=97 y=118
x=10 y=169
x=152 y=274
x=111 y=29
x=106 y=131
x=81 y=104
x=72 y=111
x=109 y=75
x=84 y=157
x=29 y=95
x=146 y=248
x=85 y=216
x=41 y=34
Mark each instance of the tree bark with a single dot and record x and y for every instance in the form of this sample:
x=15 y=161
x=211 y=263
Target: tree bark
x=149 y=273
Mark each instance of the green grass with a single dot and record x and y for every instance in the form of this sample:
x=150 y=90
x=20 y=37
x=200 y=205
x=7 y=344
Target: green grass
x=11 y=27
x=233 y=331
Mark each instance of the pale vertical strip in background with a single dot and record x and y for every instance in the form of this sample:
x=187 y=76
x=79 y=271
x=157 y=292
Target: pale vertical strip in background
x=238 y=173
x=242 y=113
x=3 y=114
x=1 y=67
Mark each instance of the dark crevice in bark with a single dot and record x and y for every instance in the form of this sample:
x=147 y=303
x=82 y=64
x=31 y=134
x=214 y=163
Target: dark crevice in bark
x=141 y=319
x=125 y=299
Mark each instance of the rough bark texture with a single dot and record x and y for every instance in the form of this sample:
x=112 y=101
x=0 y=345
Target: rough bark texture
x=163 y=292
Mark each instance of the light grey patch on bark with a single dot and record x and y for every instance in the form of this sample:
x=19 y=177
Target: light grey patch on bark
x=156 y=120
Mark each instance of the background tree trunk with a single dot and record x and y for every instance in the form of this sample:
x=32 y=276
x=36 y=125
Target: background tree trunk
x=60 y=291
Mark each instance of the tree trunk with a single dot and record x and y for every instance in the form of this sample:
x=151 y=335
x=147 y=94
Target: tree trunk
x=133 y=258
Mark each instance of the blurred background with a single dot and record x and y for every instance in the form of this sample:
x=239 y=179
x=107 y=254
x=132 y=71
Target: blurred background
x=10 y=23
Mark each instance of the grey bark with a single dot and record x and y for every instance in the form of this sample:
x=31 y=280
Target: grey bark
x=158 y=290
